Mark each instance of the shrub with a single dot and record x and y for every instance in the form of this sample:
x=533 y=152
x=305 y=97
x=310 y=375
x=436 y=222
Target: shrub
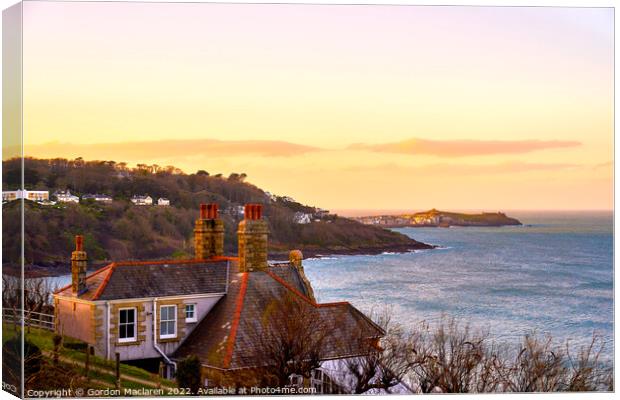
x=188 y=374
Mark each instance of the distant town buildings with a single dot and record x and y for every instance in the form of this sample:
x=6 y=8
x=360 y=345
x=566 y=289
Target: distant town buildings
x=104 y=198
x=32 y=195
x=142 y=200
x=65 y=196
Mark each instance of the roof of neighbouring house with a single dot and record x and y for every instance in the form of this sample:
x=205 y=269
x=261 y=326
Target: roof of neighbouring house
x=144 y=279
x=227 y=337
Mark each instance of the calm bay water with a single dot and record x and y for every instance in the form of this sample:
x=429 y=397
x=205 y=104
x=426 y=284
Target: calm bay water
x=553 y=275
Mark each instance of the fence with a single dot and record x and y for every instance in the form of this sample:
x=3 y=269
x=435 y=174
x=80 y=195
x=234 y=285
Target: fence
x=29 y=318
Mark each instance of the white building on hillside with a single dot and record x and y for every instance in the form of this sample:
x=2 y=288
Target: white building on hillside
x=142 y=200
x=163 y=202
x=302 y=218
x=65 y=196
x=32 y=195
x=98 y=197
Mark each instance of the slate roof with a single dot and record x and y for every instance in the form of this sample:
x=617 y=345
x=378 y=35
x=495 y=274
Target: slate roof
x=140 y=279
x=227 y=337
x=290 y=276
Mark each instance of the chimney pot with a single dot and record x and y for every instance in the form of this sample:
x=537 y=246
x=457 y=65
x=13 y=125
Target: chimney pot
x=79 y=243
x=203 y=211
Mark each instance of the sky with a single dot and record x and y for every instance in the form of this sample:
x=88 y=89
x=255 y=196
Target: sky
x=342 y=107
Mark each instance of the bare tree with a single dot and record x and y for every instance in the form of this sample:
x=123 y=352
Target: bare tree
x=452 y=359
x=290 y=339
x=586 y=371
x=538 y=367
x=381 y=365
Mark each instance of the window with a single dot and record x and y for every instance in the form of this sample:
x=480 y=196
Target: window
x=190 y=313
x=127 y=325
x=317 y=381
x=167 y=322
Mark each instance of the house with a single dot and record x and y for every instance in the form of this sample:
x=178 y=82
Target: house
x=32 y=195
x=321 y=213
x=65 y=196
x=238 y=210
x=211 y=306
x=163 y=202
x=270 y=196
x=302 y=218
x=104 y=198
x=142 y=200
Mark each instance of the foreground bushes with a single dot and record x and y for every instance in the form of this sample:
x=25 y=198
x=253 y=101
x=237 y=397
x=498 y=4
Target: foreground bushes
x=453 y=358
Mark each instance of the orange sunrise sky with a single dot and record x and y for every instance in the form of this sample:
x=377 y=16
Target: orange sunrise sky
x=342 y=107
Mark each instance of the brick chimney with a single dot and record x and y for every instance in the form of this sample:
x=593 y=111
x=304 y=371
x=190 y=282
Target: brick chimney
x=79 y=260
x=208 y=233
x=252 y=236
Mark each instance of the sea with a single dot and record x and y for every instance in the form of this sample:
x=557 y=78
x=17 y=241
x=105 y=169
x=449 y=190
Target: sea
x=552 y=276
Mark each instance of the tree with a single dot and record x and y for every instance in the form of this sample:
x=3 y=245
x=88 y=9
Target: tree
x=382 y=366
x=291 y=339
x=188 y=373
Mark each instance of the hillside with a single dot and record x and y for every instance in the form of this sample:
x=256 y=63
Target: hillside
x=440 y=219
x=121 y=230
x=462 y=219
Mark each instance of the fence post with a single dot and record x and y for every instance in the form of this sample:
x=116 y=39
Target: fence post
x=87 y=364
x=118 y=370
x=56 y=340
x=161 y=374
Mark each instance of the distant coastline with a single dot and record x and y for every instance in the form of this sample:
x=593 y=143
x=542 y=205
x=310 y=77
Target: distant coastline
x=440 y=219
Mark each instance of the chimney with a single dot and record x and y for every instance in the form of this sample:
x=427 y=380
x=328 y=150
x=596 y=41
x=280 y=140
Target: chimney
x=208 y=233
x=295 y=258
x=79 y=260
x=252 y=236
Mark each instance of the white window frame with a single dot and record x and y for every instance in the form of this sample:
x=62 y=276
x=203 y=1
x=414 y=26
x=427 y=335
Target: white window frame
x=168 y=336
x=195 y=317
x=317 y=381
x=135 y=325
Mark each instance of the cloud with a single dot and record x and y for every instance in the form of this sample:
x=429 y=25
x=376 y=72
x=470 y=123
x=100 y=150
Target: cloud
x=444 y=169
x=463 y=148
x=147 y=150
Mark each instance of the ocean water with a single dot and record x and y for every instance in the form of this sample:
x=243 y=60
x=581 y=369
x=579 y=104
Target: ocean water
x=554 y=275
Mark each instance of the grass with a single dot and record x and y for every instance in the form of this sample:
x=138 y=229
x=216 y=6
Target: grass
x=44 y=340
